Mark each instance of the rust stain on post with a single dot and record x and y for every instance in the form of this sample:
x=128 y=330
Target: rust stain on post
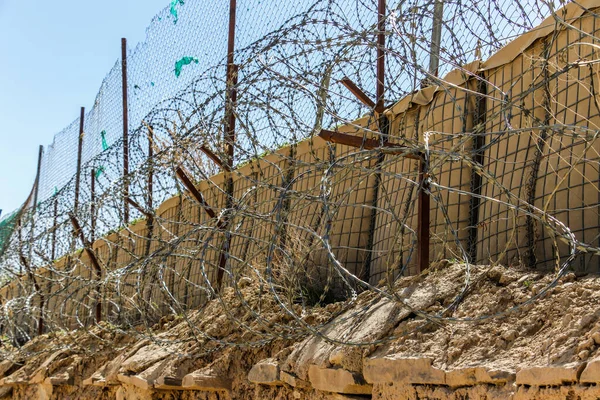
x=93 y=259
x=367 y=144
x=213 y=156
x=194 y=191
x=423 y=216
x=125 y=130
x=79 y=150
x=380 y=56
x=356 y=91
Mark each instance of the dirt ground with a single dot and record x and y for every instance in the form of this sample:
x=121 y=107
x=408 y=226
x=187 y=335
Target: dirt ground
x=459 y=317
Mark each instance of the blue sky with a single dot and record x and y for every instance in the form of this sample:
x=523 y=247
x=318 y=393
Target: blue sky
x=54 y=57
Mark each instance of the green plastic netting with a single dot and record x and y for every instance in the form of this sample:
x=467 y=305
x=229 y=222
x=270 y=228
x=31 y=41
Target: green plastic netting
x=99 y=172
x=184 y=61
x=174 y=10
x=104 y=144
x=7 y=227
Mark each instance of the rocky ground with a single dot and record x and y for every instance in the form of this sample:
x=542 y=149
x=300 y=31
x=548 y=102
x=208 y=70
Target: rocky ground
x=451 y=333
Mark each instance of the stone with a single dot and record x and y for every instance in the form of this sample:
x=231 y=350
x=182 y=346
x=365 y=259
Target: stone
x=265 y=372
x=292 y=380
x=97 y=379
x=506 y=279
x=339 y=396
x=509 y=335
x=135 y=380
x=5 y=391
x=244 y=282
x=41 y=373
x=338 y=380
x=60 y=379
x=7 y=367
x=45 y=391
x=477 y=375
x=110 y=370
x=144 y=358
x=596 y=337
x=583 y=355
x=585 y=345
x=591 y=373
x=347 y=357
x=550 y=376
x=205 y=379
x=394 y=368
x=169 y=383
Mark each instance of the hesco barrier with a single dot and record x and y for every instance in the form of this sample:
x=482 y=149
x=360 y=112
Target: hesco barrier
x=500 y=156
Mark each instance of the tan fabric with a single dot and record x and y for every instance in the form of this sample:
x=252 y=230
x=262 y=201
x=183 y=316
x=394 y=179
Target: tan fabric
x=512 y=50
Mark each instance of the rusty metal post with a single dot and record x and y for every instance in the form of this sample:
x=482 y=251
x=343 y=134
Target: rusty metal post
x=423 y=216
x=380 y=55
x=383 y=134
x=231 y=92
x=231 y=98
x=436 y=37
x=424 y=201
x=479 y=120
x=54 y=228
x=37 y=177
x=187 y=182
x=87 y=246
x=34 y=208
x=79 y=150
x=36 y=189
x=125 y=131
x=93 y=205
x=150 y=187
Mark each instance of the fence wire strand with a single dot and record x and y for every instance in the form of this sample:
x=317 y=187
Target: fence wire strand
x=509 y=148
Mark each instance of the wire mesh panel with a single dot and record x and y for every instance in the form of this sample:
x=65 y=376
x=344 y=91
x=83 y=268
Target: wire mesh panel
x=337 y=147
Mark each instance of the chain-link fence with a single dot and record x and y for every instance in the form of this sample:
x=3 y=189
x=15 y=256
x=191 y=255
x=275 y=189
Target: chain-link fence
x=317 y=163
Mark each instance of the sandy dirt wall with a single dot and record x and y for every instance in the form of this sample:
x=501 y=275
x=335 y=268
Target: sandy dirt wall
x=510 y=347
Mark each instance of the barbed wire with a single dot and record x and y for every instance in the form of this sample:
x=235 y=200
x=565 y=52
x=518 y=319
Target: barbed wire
x=505 y=151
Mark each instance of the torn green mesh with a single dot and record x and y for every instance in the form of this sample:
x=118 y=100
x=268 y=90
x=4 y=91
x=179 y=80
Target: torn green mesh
x=99 y=172
x=184 y=61
x=104 y=144
x=7 y=227
x=174 y=10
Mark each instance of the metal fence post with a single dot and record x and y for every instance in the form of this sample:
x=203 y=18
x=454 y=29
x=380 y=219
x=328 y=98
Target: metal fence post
x=383 y=133
x=479 y=119
x=93 y=205
x=230 y=99
x=37 y=176
x=79 y=150
x=424 y=201
x=125 y=131
x=34 y=208
x=436 y=37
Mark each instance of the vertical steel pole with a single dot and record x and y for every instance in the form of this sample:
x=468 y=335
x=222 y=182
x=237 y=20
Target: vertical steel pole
x=436 y=37
x=383 y=133
x=231 y=88
x=479 y=120
x=35 y=201
x=93 y=206
x=36 y=190
x=79 y=150
x=150 y=188
x=54 y=227
x=37 y=177
x=380 y=55
x=125 y=131
x=424 y=202
x=231 y=98
x=423 y=216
